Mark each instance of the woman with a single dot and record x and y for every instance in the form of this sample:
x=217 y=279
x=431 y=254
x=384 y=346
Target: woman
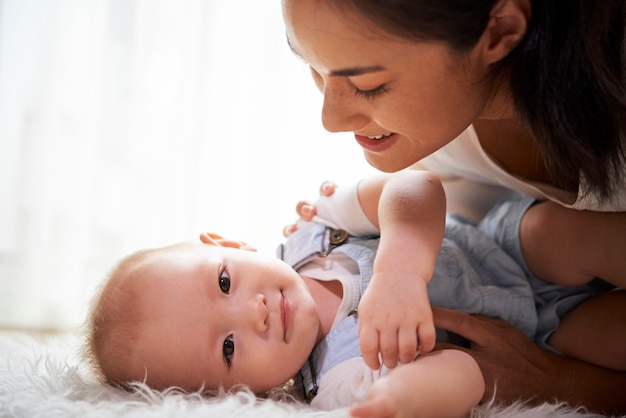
x=524 y=94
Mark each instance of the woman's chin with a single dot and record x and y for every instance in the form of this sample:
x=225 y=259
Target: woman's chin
x=387 y=164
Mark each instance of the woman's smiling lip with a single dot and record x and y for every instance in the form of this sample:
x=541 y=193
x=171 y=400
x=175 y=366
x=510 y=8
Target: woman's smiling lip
x=376 y=145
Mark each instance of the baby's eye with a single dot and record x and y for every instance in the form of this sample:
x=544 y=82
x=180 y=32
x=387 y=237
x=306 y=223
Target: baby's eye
x=229 y=349
x=224 y=281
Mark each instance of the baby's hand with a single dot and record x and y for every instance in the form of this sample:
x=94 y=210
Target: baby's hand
x=387 y=397
x=306 y=210
x=395 y=319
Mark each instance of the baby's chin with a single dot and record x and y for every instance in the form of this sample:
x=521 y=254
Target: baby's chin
x=264 y=389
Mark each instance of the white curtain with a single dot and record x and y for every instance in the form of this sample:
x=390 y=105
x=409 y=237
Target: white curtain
x=127 y=124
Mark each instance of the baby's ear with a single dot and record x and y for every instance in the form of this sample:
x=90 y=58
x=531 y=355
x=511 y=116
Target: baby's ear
x=217 y=240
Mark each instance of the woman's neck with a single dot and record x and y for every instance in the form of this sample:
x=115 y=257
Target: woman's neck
x=512 y=147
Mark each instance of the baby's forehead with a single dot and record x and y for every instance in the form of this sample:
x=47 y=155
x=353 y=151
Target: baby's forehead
x=185 y=258
x=169 y=263
x=184 y=251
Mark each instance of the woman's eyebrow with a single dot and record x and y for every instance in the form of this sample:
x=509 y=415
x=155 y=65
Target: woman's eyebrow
x=352 y=72
x=346 y=72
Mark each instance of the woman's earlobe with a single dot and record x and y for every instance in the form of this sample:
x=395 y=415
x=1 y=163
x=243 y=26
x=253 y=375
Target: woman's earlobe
x=508 y=24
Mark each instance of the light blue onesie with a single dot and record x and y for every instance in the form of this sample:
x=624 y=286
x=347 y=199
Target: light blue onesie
x=474 y=273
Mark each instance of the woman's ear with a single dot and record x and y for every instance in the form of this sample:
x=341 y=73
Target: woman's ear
x=507 y=26
x=209 y=238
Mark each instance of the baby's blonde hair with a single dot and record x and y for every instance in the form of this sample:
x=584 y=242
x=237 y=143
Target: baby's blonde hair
x=111 y=328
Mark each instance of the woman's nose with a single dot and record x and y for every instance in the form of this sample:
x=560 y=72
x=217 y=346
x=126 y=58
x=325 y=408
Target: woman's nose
x=341 y=110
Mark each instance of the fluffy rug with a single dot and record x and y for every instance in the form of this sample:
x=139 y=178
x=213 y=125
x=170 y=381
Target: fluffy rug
x=42 y=376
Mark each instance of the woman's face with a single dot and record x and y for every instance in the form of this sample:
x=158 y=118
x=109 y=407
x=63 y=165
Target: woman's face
x=402 y=99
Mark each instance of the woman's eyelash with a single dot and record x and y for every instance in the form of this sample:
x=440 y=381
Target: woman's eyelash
x=370 y=94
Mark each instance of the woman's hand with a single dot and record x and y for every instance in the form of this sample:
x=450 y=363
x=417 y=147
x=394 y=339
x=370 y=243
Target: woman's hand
x=508 y=359
x=515 y=368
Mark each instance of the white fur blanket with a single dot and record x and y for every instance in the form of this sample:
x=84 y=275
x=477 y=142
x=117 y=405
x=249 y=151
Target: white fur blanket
x=43 y=377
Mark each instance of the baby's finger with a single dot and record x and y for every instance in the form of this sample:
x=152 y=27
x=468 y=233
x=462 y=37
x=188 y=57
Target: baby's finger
x=289 y=229
x=389 y=347
x=407 y=345
x=327 y=188
x=427 y=338
x=305 y=210
x=368 y=341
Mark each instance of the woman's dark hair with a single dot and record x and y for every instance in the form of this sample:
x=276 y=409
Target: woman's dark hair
x=566 y=76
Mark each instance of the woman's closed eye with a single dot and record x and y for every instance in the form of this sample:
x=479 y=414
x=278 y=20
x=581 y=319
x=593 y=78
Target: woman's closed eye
x=223 y=280
x=229 y=350
x=371 y=93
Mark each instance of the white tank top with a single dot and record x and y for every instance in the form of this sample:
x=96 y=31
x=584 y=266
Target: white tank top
x=465 y=158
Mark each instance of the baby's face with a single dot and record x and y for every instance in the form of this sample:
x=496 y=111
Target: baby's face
x=220 y=316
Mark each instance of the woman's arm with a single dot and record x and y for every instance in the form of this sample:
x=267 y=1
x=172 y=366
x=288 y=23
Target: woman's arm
x=445 y=383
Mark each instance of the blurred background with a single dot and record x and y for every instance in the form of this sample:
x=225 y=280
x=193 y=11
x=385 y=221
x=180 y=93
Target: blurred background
x=127 y=124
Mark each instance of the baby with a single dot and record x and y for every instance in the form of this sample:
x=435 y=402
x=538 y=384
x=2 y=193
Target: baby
x=212 y=314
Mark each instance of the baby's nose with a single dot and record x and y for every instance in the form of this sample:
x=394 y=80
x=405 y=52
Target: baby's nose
x=260 y=313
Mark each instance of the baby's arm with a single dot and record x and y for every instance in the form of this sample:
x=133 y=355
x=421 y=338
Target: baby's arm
x=444 y=383
x=409 y=209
